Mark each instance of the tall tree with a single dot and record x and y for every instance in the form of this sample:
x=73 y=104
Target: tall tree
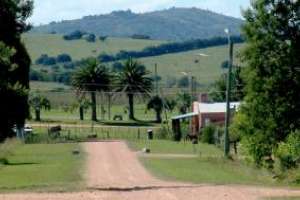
x=157 y=104
x=133 y=80
x=92 y=77
x=13 y=15
x=271 y=109
x=184 y=102
x=218 y=93
x=39 y=102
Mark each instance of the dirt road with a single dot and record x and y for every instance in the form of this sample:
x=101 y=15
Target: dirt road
x=114 y=173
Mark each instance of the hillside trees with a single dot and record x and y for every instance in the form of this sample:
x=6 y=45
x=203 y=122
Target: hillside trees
x=271 y=105
x=15 y=64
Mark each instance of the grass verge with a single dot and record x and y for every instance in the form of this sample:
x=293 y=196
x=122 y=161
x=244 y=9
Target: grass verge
x=208 y=167
x=42 y=167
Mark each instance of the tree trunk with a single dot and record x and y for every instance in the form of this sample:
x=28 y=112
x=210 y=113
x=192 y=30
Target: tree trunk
x=158 y=117
x=94 y=106
x=131 y=108
x=109 y=106
x=81 y=113
x=37 y=115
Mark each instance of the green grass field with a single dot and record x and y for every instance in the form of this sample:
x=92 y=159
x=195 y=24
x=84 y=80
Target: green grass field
x=54 y=44
x=205 y=70
x=42 y=167
x=208 y=167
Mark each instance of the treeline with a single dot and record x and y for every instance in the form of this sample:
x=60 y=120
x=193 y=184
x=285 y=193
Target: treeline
x=44 y=59
x=89 y=37
x=174 y=47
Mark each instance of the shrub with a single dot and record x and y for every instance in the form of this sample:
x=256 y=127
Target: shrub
x=44 y=59
x=184 y=82
x=102 y=38
x=63 y=58
x=208 y=134
x=75 y=35
x=90 y=38
x=288 y=152
x=40 y=60
x=69 y=65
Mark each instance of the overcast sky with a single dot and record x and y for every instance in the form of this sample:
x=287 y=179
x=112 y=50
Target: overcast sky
x=55 y=10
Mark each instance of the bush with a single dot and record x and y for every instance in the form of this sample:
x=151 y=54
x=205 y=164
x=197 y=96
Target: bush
x=208 y=134
x=44 y=59
x=76 y=35
x=289 y=152
x=63 y=58
x=69 y=65
x=102 y=38
x=90 y=38
x=184 y=82
x=36 y=76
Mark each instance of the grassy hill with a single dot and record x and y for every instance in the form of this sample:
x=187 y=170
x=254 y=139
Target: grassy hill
x=170 y=66
x=171 y=24
x=205 y=69
x=53 y=44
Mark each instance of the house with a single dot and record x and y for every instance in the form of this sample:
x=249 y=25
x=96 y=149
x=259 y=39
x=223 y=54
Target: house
x=204 y=113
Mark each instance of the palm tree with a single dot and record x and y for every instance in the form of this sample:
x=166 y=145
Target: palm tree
x=39 y=102
x=156 y=103
x=184 y=102
x=133 y=79
x=92 y=77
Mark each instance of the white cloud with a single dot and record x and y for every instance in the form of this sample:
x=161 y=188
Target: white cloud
x=55 y=10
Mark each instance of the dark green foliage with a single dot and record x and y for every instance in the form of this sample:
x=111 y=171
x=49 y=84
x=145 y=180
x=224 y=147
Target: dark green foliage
x=272 y=106
x=44 y=59
x=172 y=47
x=90 y=78
x=103 y=38
x=39 y=102
x=75 y=35
x=140 y=37
x=69 y=65
x=105 y=57
x=218 y=93
x=184 y=102
x=133 y=81
x=208 y=134
x=157 y=104
x=184 y=82
x=288 y=152
x=14 y=79
x=63 y=58
x=90 y=37
x=172 y=24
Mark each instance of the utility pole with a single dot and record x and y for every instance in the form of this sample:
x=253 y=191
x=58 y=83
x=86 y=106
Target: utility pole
x=228 y=93
x=156 y=80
